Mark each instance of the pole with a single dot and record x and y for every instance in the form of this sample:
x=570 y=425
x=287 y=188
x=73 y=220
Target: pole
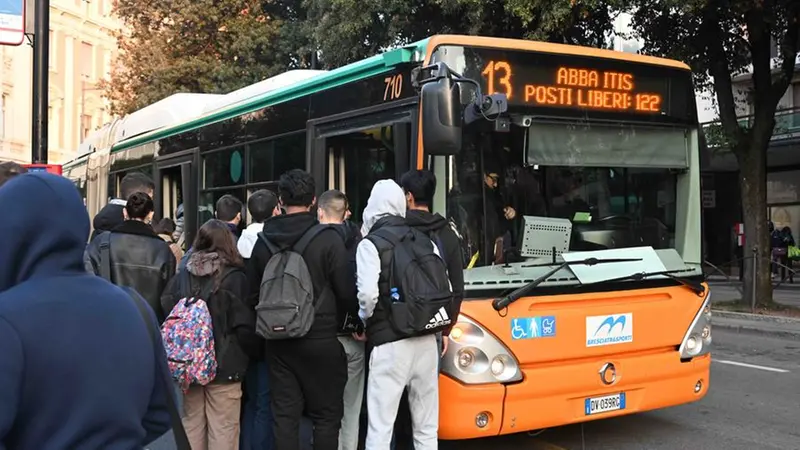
x=755 y=279
x=41 y=71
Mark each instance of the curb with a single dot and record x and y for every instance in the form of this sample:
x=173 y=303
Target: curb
x=759 y=324
x=752 y=330
x=791 y=321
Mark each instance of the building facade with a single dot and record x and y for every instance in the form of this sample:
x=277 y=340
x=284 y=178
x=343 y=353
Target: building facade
x=721 y=194
x=82 y=48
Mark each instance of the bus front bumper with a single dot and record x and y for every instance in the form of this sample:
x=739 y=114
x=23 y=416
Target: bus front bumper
x=553 y=395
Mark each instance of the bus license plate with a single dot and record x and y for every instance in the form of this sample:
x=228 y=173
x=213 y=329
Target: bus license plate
x=606 y=403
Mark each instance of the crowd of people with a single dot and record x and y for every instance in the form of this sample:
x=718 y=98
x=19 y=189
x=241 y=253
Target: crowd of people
x=300 y=317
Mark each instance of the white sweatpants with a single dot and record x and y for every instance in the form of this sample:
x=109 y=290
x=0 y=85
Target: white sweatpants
x=411 y=363
x=353 y=392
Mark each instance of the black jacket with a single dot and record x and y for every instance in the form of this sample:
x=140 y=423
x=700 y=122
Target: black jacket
x=107 y=219
x=349 y=321
x=139 y=259
x=429 y=223
x=233 y=320
x=327 y=261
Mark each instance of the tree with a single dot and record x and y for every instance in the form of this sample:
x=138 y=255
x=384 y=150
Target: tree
x=206 y=46
x=719 y=39
x=348 y=30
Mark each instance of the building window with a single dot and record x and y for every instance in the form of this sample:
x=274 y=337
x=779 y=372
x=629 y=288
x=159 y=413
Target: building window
x=783 y=187
x=51 y=61
x=107 y=63
x=101 y=7
x=86 y=59
x=3 y=117
x=86 y=126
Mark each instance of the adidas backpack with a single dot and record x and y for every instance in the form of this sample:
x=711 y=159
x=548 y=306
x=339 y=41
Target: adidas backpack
x=286 y=306
x=417 y=277
x=188 y=337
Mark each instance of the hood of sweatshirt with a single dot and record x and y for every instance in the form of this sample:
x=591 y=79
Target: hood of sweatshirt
x=45 y=235
x=285 y=230
x=386 y=199
x=425 y=221
x=248 y=239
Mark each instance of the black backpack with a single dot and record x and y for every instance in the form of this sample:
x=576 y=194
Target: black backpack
x=420 y=299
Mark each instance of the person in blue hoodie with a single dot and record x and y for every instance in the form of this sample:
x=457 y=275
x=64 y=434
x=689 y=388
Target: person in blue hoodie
x=79 y=368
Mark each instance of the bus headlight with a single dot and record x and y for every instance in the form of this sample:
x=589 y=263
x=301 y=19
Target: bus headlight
x=697 y=341
x=475 y=356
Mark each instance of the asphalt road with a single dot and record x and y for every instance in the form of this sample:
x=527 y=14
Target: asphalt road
x=746 y=408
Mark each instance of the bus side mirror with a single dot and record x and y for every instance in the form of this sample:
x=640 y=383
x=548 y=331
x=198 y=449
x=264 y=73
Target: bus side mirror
x=441 y=117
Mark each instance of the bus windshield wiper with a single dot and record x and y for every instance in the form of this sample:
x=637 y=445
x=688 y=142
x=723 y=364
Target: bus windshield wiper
x=502 y=302
x=696 y=287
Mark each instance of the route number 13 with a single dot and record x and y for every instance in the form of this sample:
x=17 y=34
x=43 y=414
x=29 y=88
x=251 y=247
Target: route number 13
x=498 y=74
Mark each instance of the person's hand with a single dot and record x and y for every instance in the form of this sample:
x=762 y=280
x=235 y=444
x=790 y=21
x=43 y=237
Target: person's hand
x=445 y=343
x=509 y=213
x=361 y=337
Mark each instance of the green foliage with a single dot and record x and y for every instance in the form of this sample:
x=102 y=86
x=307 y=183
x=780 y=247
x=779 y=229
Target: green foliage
x=348 y=30
x=215 y=46
x=210 y=46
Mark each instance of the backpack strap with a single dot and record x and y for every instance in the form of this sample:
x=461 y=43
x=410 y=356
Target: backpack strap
x=181 y=440
x=300 y=246
x=105 y=256
x=273 y=249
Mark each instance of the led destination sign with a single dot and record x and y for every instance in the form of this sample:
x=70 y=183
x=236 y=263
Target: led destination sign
x=593 y=89
x=569 y=85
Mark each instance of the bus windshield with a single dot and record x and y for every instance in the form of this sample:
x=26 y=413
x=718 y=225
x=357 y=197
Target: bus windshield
x=615 y=184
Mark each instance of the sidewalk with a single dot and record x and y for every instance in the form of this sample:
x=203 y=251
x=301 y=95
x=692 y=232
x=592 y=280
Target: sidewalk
x=757 y=323
x=722 y=291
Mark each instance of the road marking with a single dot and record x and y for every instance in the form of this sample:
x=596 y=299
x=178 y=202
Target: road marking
x=752 y=366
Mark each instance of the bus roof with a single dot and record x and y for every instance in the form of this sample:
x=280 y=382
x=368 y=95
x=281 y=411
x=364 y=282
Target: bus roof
x=284 y=88
x=318 y=82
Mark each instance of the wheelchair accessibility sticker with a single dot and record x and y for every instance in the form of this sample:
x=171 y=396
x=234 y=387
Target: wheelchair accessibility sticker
x=533 y=327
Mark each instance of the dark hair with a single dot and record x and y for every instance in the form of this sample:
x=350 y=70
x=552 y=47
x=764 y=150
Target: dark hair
x=165 y=226
x=334 y=203
x=139 y=205
x=228 y=207
x=135 y=182
x=296 y=188
x=215 y=236
x=421 y=184
x=261 y=205
x=9 y=170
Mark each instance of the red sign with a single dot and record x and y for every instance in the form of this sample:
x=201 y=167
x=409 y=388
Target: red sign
x=49 y=168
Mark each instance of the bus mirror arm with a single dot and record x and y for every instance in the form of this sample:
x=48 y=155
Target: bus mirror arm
x=483 y=106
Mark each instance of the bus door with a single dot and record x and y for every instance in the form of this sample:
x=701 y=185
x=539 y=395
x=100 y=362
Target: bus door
x=176 y=182
x=352 y=151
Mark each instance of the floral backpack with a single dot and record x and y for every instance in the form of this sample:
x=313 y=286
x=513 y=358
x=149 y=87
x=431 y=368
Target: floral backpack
x=188 y=337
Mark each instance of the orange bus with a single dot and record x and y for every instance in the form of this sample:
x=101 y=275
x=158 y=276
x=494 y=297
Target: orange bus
x=579 y=207
x=571 y=175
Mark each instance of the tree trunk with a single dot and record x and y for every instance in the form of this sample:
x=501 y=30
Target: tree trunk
x=752 y=159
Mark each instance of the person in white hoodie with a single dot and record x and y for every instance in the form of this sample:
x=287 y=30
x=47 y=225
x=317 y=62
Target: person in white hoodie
x=262 y=205
x=397 y=361
x=256 y=421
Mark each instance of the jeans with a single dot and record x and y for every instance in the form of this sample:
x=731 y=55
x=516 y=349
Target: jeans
x=353 y=392
x=257 y=432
